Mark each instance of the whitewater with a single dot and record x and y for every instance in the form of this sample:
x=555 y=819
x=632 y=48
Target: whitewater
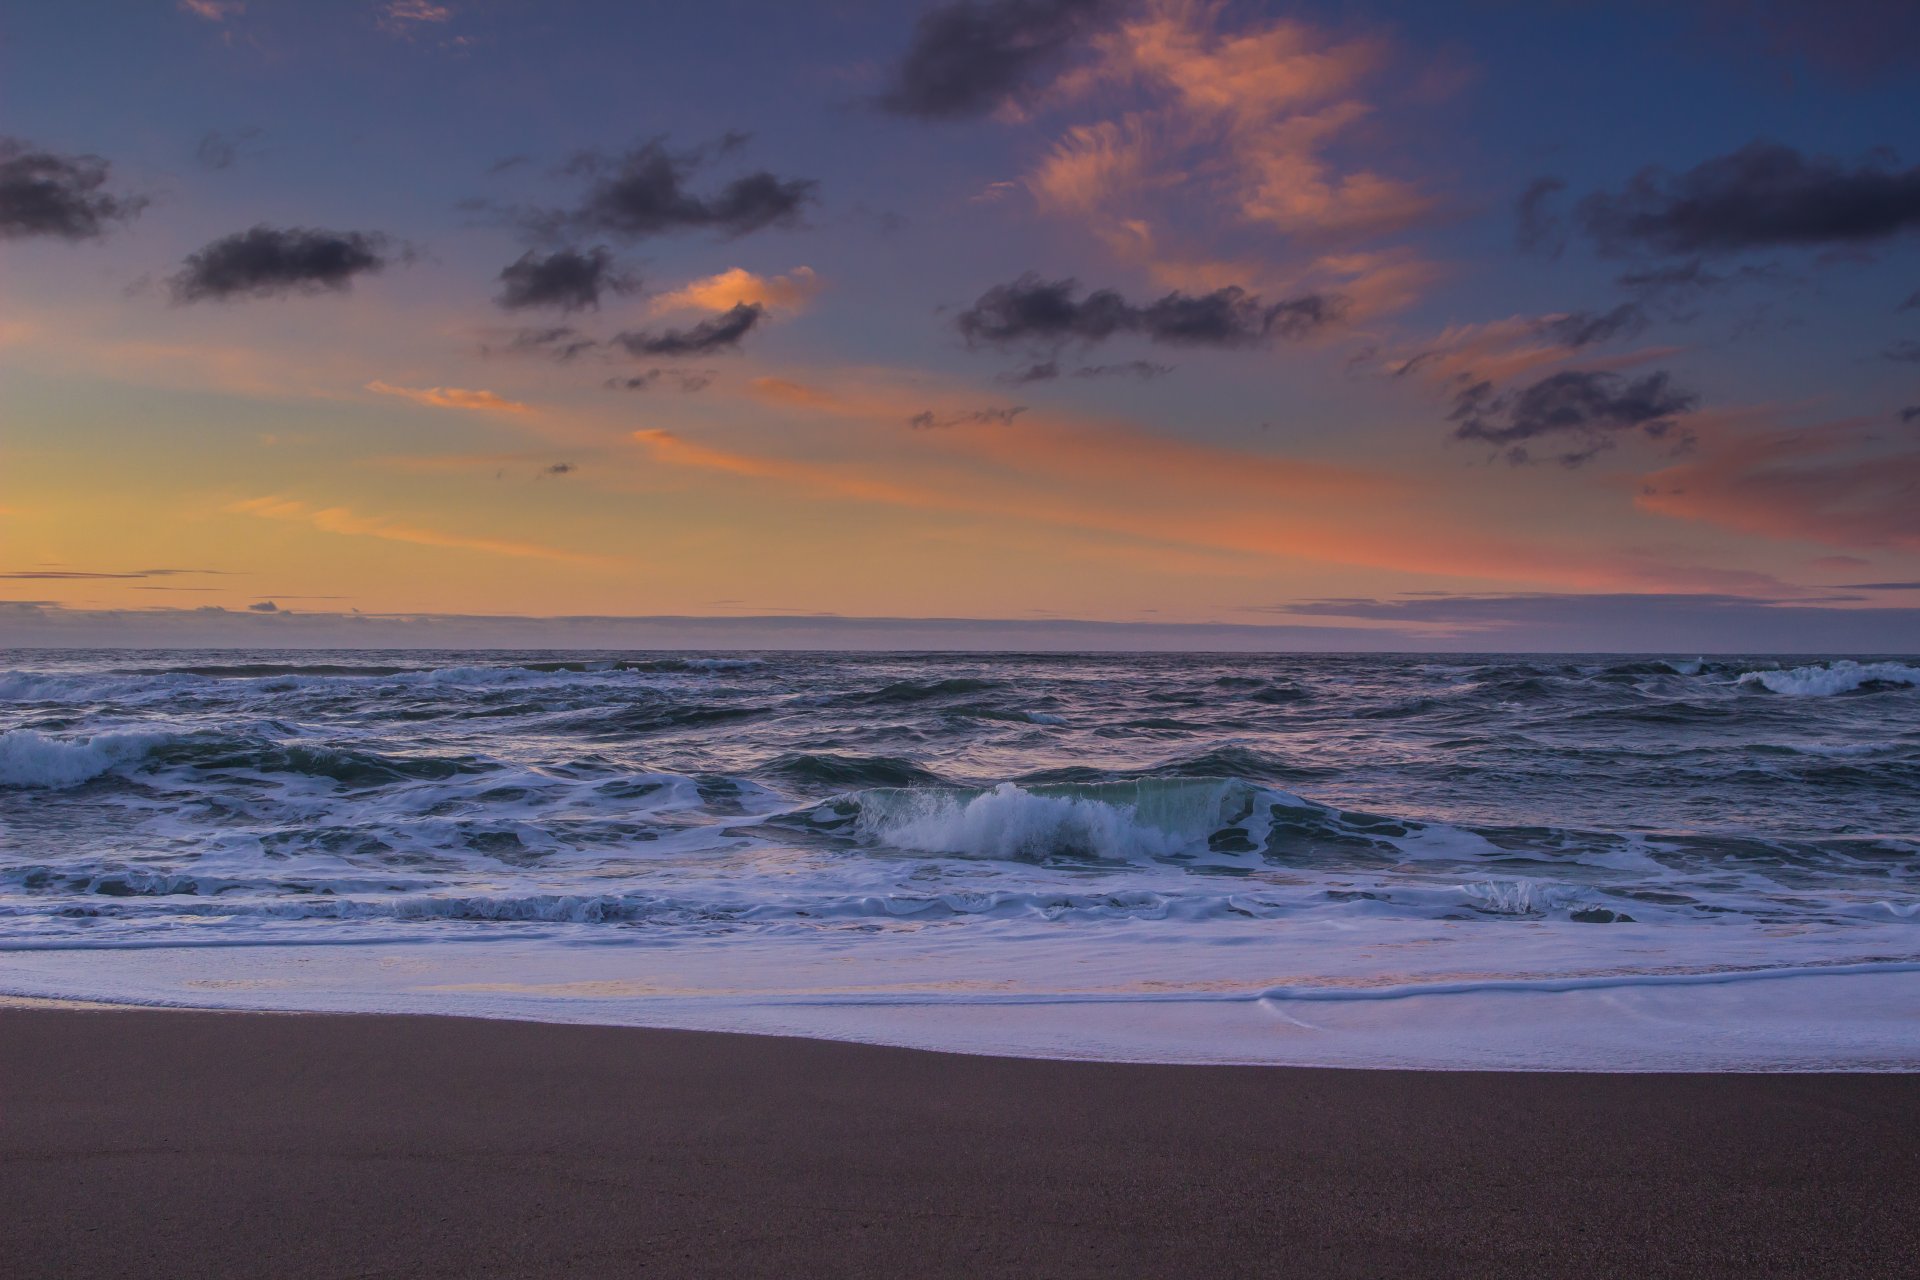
x=1567 y=862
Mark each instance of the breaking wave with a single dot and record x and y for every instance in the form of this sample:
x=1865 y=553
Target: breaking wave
x=29 y=758
x=1844 y=676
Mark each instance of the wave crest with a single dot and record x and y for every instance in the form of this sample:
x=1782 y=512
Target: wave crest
x=1844 y=676
x=29 y=758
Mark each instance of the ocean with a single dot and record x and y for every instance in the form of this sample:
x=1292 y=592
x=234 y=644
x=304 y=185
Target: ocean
x=1358 y=860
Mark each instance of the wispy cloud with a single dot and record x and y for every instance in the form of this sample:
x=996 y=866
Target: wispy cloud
x=785 y=391
x=1222 y=126
x=343 y=520
x=1244 y=510
x=1838 y=484
x=451 y=398
x=96 y=575
x=401 y=17
x=214 y=10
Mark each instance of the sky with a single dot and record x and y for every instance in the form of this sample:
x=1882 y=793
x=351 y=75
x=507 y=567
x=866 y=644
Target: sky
x=1033 y=323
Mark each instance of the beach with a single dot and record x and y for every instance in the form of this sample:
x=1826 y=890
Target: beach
x=178 y=1143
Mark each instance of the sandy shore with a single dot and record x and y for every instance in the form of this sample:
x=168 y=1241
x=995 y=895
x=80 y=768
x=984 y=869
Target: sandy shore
x=188 y=1144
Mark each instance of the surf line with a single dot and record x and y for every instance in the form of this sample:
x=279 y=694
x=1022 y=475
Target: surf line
x=1282 y=995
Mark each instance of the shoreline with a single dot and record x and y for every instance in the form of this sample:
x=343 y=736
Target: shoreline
x=140 y=1141
x=1110 y=999
x=30 y=1003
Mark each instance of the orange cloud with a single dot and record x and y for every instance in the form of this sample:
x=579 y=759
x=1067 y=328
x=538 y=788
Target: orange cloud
x=1093 y=165
x=724 y=292
x=1241 y=508
x=451 y=398
x=836 y=481
x=1835 y=484
x=1242 y=120
x=786 y=392
x=344 y=521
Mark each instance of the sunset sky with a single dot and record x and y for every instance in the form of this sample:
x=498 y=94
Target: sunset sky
x=1493 y=324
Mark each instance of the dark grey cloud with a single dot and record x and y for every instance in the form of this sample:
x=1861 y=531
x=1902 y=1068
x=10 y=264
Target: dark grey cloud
x=1682 y=281
x=1585 y=328
x=561 y=343
x=1046 y=315
x=1910 y=414
x=217 y=150
x=927 y=419
x=1048 y=370
x=1040 y=371
x=46 y=194
x=1584 y=410
x=1880 y=586
x=1537 y=226
x=1843 y=38
x=268 y=262
x=683 y=379
x=722 y=333
x=1145 y=370
x=263 y=606
x=1762 y=196
x=1905 y=351
x=645 y=193
x=967 y=57
x=1912 y=303
x=1691 y=276
x=561 y=469
x=565 y=280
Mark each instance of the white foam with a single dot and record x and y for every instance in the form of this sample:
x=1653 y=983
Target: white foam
x=1843 y=676
x=1117 y=822
x=29 y=758
x=1842 y=750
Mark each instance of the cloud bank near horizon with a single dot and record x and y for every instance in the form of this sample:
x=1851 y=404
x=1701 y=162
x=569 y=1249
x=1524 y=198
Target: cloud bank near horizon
x=1678 y=623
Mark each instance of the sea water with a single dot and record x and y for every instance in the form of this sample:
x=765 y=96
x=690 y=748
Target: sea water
x=1406 y=860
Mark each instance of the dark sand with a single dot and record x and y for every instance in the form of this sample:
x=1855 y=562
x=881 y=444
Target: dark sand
x=187 y=1144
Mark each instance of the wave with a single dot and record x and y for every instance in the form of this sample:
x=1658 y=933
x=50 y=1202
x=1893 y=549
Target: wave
x=924 y=690
x=1585 y=982
x=30 y=759
x=828 y=769
x=350 y=767
x=1101 y=821
x=635 y=721
x=1234 y=760
x=142 y=896
x=1827 y=750
x=1178 y=819
x=263 y=670
x=1219 y=822
x=1844 y=676
x=974 y=712
x=592 y=665
x=148 y=683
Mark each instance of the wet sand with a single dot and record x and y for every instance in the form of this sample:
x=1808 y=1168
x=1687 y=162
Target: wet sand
x=151 y=1143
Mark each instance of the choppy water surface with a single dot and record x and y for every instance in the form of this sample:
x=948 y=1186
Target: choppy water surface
x=1230 y=820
